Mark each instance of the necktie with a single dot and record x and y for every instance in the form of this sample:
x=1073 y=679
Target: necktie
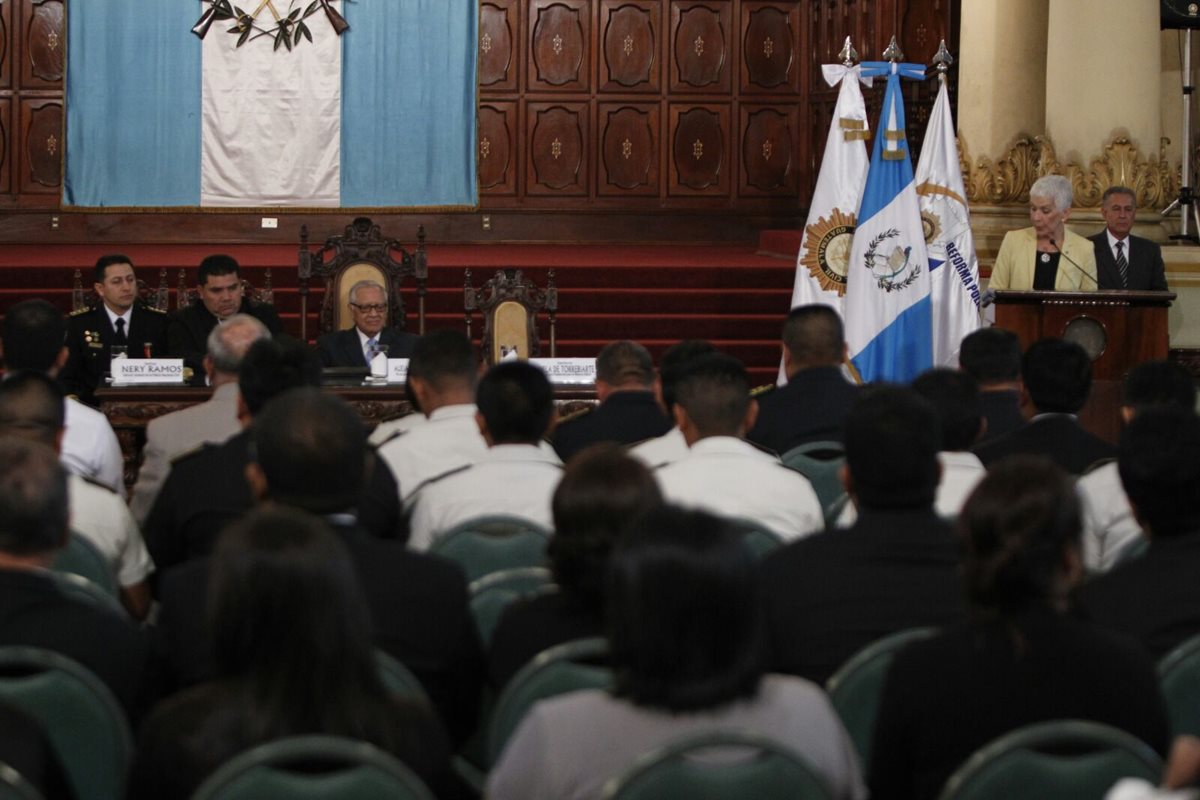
x=369 y=350
x=120 y=338
x=1122 y=264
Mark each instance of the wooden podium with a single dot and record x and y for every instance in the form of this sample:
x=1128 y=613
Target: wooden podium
x=1118 y=328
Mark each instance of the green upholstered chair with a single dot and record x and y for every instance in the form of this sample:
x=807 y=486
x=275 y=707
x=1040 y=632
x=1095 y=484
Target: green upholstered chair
x=821 y=463
x=492 y=593
x=80 y=557
x=493 y=543
x=855 y=689
x=399 y=680
x=758 y=537
x=283 y=770
x=82 y=720
x=768 y=771
x=79 y=587
x=1179 y=676
x=1063 y=759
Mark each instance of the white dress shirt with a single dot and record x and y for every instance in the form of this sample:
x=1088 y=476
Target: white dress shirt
x=1108 y=522
x=101 y=517
x=449 y=440
x=90 y=448
x=661 y=450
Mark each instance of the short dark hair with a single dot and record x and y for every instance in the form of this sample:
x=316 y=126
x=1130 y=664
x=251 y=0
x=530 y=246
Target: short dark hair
x=34 y=335
x=312 y=449
x=1159 y=461
x=1159 y=383
x=954 y=396
x=715 y=393
x=34 y=509
x=813 y=334
x=271 y=367
x=444 y=358
x=1057 y=375
x=104 y=262
x=603 y=489
x=516 y=401
x=31 y=407
x=1110 y=191
x=219 y=264
x=625 y=362
x=683 y=612
x=892 y=440
x=675 y=363
x=991 y=355
x=1015 y=528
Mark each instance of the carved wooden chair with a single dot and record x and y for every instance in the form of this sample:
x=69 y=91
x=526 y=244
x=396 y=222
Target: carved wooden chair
x=158 y=299
x=187 y=293
x=361 y=253
x=509 y=303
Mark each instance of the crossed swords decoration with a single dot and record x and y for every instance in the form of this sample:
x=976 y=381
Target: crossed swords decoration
x=288 y=30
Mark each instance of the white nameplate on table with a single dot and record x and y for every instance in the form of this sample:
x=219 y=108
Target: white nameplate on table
x=146 y=371
x=568 y=370
x=397 y=370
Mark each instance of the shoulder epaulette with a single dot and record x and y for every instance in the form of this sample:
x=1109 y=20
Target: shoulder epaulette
x=762 y=448
x=80 y=311
x=394 y=435
x=759 y=391
x=98 y=483
x=577 y=414
x=436 y=478
x=154 y=310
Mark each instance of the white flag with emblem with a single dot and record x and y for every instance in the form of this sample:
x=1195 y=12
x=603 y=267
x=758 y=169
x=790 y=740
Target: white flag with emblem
x=953 y=265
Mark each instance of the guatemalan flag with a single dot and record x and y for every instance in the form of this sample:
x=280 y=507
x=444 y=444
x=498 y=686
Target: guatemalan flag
x=381 y=115
x=888 y=323
x=953 y=265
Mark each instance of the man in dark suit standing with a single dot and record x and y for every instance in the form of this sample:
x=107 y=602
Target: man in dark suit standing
x=812 y=407
x=1124 y=261
x=221 y=296
x=353 y=347
x=119 y=319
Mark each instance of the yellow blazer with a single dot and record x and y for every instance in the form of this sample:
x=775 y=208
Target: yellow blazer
x=1015 y=263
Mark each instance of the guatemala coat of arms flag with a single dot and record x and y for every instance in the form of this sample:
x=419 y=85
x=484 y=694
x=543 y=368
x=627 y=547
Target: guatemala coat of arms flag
x=888 y=314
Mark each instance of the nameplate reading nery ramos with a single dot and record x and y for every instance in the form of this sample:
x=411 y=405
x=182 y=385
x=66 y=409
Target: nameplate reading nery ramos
x=142 y=371
x=568 y=370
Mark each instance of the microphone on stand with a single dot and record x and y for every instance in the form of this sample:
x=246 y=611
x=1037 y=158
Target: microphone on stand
x=1075 y=264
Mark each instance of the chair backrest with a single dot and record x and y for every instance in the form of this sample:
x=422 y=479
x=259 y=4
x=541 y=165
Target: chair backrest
x=510 y=302
x=1179 y=676
x=491 y=594
x=758 y=537
x=80 y=557
x=820 y=462
x=14 y=786
x=708 y=767
x=82 y=720
x=399 y=680
x=856 y=687
x=284 y=770
x=1063 y=759
x=557 y=670
x=80 y=588
x=493 y=543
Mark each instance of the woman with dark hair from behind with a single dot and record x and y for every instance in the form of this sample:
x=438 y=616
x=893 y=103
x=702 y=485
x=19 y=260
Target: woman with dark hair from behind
x=1022 y=658
x=684 y=621
x=293 y=656
x=602 y=491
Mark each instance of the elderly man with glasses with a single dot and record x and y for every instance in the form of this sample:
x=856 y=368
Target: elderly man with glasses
x=355 y=346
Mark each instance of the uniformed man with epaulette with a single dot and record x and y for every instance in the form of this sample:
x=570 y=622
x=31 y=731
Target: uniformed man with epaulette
x=119 y=320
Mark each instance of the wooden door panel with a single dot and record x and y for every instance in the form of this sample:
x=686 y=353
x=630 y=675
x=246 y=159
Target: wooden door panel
x=700 y=46
x=557 y=149
x=769 y=147
x=559 y=45
x=44 y=44
x=629 y=149
x=631 y=40
x=700 y=150
x=770 y=39
x=497 y=155
x=497 y=51
x=42 y=143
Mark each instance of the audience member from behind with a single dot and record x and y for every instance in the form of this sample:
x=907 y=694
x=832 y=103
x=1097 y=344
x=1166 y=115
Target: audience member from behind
x=31 y=407
x=442 y=375
x=832 y=594
x=992 y=356
x=812 y=407
x=1155 y=597
x=628 y=411
x=35 y=333
x=722 y=472
x=602 y=491
x=213 y=421
x=34 y=610
x=293 y=654
x=1057 y=377
x=1109 y=525
x=671 y=446
x=515 y=476
x=1021 y=658
x=684 y=625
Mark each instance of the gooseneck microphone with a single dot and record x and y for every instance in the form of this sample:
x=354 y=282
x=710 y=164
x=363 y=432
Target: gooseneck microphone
x=1074 y=263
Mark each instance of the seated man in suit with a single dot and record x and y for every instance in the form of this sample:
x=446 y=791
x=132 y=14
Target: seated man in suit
x=221 y=296
x=1125 y=261
x=119 y=319
x=992 y=356
x=1057 y=378
x=831 y=594
x=628 y=411
x=814 y=403
x=354 y=347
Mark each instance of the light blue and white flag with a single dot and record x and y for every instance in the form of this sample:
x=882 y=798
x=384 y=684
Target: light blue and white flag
x=888 y=325
x=382 y=115
x=953 y=265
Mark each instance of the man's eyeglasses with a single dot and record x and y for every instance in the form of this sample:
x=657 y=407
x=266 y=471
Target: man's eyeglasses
x=377 y=308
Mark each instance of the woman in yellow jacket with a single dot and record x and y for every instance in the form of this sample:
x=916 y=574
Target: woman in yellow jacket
x=1047 y=255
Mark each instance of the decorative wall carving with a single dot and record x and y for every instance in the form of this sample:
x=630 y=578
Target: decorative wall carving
x=6 y=127
x=630 y=30
x=700 y=44
x=1005 y=181
x=698 y=149
x=42 y=124
x=45 y=43
x=496 y=158
x=559 y=44
x=629 y=159
x=768 y=47
x=768 y=151
x=497 y=66
x=557 y=148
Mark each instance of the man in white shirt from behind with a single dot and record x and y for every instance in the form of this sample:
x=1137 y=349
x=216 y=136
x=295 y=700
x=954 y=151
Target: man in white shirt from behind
x=724 y=474
x=212 y=421
x=1109 y=526
x=515 y=477
x=671 y=446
